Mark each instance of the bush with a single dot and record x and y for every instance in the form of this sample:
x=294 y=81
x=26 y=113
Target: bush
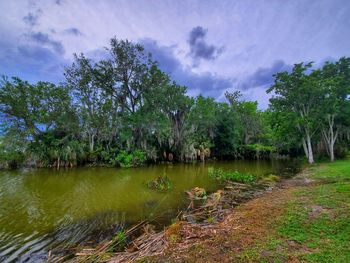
x=235 y=176
x=161 y=183
x=133 y=159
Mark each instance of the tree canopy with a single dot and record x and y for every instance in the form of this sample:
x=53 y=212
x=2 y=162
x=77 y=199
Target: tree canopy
x=123 y=110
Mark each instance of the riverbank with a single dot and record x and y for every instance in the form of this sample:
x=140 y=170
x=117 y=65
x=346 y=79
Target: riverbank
x=304 y=219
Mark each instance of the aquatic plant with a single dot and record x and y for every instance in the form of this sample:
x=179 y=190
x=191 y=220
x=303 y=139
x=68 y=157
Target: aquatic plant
x=161 y=183
x=235 y=176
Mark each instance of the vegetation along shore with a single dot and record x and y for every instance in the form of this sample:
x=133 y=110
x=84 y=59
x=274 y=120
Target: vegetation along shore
x=124 y=111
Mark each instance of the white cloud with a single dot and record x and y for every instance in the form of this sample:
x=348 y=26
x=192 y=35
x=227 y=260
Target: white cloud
x=254 y=34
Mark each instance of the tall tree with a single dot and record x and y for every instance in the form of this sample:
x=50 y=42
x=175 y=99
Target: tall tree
x=335 y=101
x=34 y=108
x=124 y=73
x=298 y=92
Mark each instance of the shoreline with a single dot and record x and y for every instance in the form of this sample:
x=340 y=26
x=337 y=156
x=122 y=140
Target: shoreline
x=265 y=228
x=152 y=243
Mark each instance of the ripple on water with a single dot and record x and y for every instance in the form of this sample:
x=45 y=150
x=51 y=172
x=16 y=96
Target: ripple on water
x=45 y=209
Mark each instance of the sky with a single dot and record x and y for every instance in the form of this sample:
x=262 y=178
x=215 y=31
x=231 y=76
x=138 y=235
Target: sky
x=209 y=46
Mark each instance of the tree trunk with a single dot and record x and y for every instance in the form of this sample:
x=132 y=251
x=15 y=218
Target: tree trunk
x=309 y=147
x=305 y=148
x=91 y=142
x=331 y=151
x=330 y=137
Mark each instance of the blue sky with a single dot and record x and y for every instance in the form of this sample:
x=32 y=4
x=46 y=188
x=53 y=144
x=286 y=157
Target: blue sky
x=209 y=46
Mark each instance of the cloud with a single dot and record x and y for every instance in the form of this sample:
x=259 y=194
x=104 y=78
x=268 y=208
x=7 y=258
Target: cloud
x=255 y=84
x=31 y=61
x=59 y=2
x=45 y=40
x=207 y=84
x=32 y=19
x=73 y=31
x=263 y=77
x=199 y=49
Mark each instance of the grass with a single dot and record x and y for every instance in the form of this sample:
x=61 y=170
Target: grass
x=235 y=176
x=336 y=171
x=118 y=242
x=315 y=226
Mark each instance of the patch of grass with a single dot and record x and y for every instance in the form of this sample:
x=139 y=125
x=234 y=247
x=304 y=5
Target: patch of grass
x=235 y=176
x=271 y=178
x=265 y=251
x=173 y=232
x=315 y=226
x=335 y=171
x=326 y=236
x=118 y=242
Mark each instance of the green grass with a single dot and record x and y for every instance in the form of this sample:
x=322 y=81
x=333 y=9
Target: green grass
x=323 y=236
x=336 y=171
x=235 y=176
x=315 y=226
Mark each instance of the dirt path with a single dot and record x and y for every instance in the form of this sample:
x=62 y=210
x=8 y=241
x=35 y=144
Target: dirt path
x=248 y=224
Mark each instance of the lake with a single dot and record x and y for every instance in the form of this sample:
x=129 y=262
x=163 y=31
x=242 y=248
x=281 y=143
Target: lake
x=44 y=209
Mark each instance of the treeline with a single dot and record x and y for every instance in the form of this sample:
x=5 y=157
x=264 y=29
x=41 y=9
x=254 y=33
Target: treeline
x=124 y=111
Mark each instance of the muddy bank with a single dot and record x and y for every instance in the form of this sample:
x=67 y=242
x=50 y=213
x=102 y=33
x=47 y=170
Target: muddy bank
x=204 y=219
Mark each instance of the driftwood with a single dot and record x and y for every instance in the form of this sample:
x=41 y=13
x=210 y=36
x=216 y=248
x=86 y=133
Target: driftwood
x=202 y=211
x=145 y=245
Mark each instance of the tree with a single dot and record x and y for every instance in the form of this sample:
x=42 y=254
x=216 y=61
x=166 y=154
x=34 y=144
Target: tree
x=95 y=107
x=203 y=120
x=123 y=75
x=298 y=92
x=227 y=134
x=249 y=117
x=34 y=108
x=336 y=88
x=34 y=111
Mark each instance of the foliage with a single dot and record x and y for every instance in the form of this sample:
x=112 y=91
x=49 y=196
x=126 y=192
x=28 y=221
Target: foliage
x=235 y=176
x=257 y=151
x=227 y=133
x=133 y=159
x=123 y=110
x=10 y=158
x=311 y=103
x=161 y=183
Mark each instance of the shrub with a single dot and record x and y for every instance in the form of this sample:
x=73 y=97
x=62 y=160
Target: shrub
x=161 y=183
x=235 y=176
x=133 y=159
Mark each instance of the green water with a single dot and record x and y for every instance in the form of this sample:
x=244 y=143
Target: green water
x=44 y=209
